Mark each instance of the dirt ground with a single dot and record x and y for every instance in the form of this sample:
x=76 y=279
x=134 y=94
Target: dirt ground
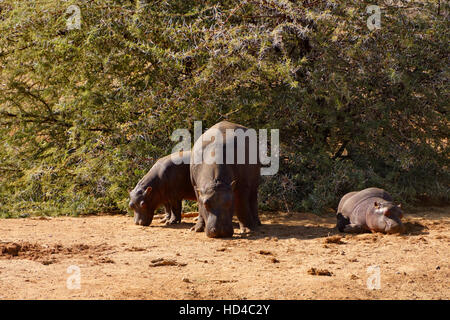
x=292 y=256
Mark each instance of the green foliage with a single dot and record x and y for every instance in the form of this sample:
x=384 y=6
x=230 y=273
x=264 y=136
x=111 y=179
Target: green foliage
x=84 y=113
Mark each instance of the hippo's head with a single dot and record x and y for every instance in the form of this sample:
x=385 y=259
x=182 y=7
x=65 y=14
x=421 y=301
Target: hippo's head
x=217 y=204
x=388 y=218
x=142 y=203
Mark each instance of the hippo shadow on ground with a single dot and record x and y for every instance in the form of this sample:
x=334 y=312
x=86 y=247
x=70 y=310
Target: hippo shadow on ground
x=282 y=231
x=273 y=230
x=303 y=232
x=415 y=228
x=181 y=225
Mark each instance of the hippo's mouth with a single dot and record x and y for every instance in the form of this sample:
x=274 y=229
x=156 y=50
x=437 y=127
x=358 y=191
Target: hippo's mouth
x=215 y=233
x=142 y=220
x=397 y=228
x=219 y=226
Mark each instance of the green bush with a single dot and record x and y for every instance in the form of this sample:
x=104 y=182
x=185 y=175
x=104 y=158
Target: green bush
x=85 y=113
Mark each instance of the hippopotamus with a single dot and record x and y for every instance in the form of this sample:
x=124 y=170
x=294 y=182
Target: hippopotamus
x=167 y=183
x=371 y=209
x=224 y=189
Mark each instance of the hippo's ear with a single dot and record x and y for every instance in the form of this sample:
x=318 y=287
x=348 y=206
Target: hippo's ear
x=147 y=191
x=233 y=185
x=376 y=205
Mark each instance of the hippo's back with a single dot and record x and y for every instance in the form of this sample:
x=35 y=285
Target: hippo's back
x=177 y=158
x=223 y=125
x=247 y=173
x=349 y=202
x=344 y=200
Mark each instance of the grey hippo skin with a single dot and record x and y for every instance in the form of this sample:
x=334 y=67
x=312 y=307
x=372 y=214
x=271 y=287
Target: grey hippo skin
x=167 y=183
x=371 y=209
x=225 y=189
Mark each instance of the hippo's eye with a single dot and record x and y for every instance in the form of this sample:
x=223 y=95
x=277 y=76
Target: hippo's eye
x=142 y=204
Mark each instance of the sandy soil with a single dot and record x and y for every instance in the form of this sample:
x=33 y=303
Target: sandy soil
x=292 y=256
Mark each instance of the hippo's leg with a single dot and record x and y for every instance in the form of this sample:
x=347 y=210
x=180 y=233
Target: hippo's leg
x=341 y=222
x=243 y=210
x=254 y=206
x=354 y=228
x=176 y=213
x=167 y=213
x=200 y=225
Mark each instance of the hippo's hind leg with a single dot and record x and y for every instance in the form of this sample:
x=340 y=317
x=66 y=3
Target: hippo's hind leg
x=254 y=206
x=354 y=228
x=176 y=212
x=341 y=222
x=168 y=213
x=243 y=210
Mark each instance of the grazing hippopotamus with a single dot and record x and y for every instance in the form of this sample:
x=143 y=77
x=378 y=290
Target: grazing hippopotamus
x=371 y=209
x=223 y=188
x=167 y=183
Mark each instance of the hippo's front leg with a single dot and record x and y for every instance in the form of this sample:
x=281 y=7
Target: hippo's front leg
x=354 y=228
x=200 y=225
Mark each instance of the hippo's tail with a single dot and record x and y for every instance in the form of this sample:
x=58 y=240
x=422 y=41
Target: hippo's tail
x=341 y=222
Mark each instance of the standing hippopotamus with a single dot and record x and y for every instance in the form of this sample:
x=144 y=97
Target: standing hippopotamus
x=167 y=183
x=223 y=188
x=370 y=209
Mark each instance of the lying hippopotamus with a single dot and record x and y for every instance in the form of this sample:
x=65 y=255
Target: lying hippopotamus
x=223 y=188
x=167 y=183
x=371 y=209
